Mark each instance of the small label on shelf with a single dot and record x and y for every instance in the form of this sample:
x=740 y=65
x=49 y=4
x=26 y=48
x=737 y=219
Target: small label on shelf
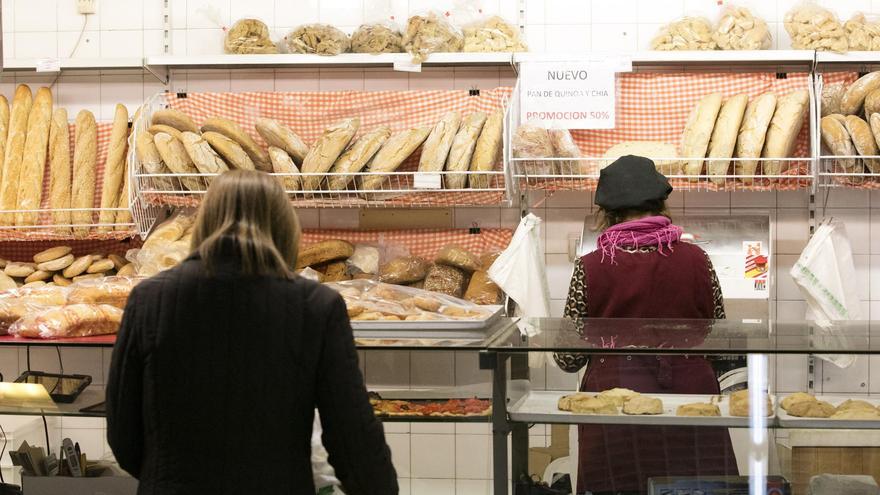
x=427 y=181
x=407 y=66
x=51 y=64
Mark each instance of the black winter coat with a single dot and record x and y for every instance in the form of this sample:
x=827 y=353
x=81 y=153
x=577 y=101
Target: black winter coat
x=214 y=381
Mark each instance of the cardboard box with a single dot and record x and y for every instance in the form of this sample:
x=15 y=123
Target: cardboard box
x=110 y=482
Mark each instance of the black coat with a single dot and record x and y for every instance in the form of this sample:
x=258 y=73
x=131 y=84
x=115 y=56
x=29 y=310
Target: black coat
x=214 y=381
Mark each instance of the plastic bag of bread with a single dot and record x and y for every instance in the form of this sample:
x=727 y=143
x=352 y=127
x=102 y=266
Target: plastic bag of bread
x=17 y=303
x=249 y=36
x=812 y=27
x=458 y=257
x=482 y=290
x=688 y=33
x=861 y=33
x=364 y=259
x=445 y=279
x=430 y=33
x=166 y=247
x=404 y=270
x=73 y=320
x=105 y=290
x=738 y=29
x=564 y=147
x=493 y=35
x=533 y=141
x=320 y=39
x=377 y=38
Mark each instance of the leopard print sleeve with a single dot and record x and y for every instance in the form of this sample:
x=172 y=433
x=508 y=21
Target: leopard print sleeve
x=575 y=308
x=717 y=296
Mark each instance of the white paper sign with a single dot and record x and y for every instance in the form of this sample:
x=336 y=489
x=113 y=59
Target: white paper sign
x=427 y=180
x=52 y=64
x=568 y=95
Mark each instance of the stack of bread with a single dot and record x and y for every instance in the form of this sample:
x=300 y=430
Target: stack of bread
x=803 y=405
x=851 y=124
x=535 y=142
x=737 y=29
x=60 y=266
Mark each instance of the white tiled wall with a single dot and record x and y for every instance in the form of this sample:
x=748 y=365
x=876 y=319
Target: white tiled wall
x=431 y=459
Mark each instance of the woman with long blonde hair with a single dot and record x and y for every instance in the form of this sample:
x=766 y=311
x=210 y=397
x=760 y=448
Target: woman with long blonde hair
x=221 y=361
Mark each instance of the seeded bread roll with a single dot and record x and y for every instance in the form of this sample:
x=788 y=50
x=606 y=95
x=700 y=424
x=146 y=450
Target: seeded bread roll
x=15 y=142
x=59 y=169
x=488 y=150
x=356 y=157
x=724 y=135
x=282 y=163
x=177 y=160
x=85 y=155
x=232 y=152
x=176 y=119
x=791 y=111
x=114 y=168
x=863 y=140
x=234 y=132
x=837 y=140
x=698 y=131
x=282 y=137
x=463 y=149
x=446 y=279
x=326 y=151
x=753 y=133
x=436 y=148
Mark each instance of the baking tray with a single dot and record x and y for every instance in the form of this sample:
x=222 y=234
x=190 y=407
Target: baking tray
x=541 y=407
x=428 y=329
x=788 y=421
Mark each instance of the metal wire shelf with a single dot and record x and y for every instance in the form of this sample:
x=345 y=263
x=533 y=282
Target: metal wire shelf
x=45 y=228
x=849 y=171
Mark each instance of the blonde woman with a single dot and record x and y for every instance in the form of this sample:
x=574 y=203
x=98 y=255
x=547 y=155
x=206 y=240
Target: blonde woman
x=221 y=361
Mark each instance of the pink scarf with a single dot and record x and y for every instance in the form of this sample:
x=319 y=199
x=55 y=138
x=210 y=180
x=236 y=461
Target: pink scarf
x=645 y=232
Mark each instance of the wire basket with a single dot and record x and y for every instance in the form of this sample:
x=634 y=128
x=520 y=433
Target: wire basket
x=46 y=228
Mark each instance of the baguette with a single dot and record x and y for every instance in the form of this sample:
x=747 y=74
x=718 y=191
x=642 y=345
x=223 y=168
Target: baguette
x=282 y=137
x=4 y=131
x=753 y=133
x=395 y=150
x=123 y=216
x=436 y=148
x=176 y=119
x=837 y=140
x=487 y=150
x=282 y=163
x=326 y=150
x=59 y=169
x=148 y=155
x=14 y=152
x=85 y=154
x=855 y=94
x=698 y=131
x=33 y=164
x=863 y=140
x=231 y=151
x=114 y=168
x=202 y=155
x=167 y=129
x=177 y=160
x=463 y=149
x=234 y=132
x=724 y=135
x=357 y=156
x=784 y=128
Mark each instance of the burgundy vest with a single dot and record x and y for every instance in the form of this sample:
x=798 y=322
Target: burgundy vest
x=650 y=285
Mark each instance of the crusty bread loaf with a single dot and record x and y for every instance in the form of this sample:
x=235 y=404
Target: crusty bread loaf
x=15 y=142
x=753 y=133
x=282 y=163
x=33 y=164
x=837 y=140
x=167 y=129
x=59 y=169
x=831 y=96
x=462 y=149
x=791 y=112
x=662 y=154
x=232 y=152
x=322 y=252
x=282 y=137
x=724 y=135
x=436 y=148
x=458 y=257
x=176 y=119
x=4 y=130
x=487 y=152
x=234 y=132
x=114 y=168
x=875 y=128
x=85 y=155
x=855 y=94
x=872 y=104
x=356 y=157
x=698 y=131
x=395 y=150
x=148 y=155
x=177 y=160
x=326 y=151
x=863 y=140
x=202 y=155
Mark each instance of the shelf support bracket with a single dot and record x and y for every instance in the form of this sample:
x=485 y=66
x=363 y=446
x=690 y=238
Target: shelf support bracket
x=160 y=72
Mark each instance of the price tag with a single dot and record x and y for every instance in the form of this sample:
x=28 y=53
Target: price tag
x=427 y=180
x=407 y=66
x=569 y=95
x=52 y=64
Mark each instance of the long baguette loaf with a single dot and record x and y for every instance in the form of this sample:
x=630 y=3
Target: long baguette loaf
x=487 y=150
x=123 y=216
x=698 y=131
x=15 y=140
x=149 y=157
x=4 y=130
x=282 y=163
x=282 y=137
x=357 y=156
x=114 y=168
x=863 y=140
x=791 y=111
x=326 y=151
x=177 y=160
x=59 y=169
x=752 y=134
x=837 y=140
x=174 y=118
x=232 y=152
x=85 y=156
x=202 y=155
x=436 y=148
x=234 y=132
x=724 y=135
x=33 y=163
x=395 y=150
x=463 y=149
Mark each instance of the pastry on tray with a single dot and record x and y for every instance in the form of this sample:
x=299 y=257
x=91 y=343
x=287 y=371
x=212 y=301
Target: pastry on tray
x=643 y=405
x=740 y=404
x=584 y=403
x=811 y=409
x=850 y=404
x=698 y=409
x=857 y=414
x=618 y=396
x=795 y=398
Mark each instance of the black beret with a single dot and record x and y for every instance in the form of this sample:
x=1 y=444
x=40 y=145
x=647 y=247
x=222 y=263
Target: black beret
x=630 y=183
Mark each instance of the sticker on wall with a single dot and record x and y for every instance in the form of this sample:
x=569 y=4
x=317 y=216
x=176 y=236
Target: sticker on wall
x=757 y=264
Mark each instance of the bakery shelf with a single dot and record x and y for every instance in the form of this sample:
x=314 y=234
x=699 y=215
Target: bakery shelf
x=850 y=58
x=350 y=60
x=47 y=229
x=31 y=64
x=787 y=421
x=684 y=59
x=832 y=174
x=96 y=341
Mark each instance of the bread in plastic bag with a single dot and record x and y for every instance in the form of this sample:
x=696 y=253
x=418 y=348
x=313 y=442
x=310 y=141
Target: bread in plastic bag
x=564 y=147
x=166 y=246
x=368 y=300
x=310 y=273
x=73 y=320
x=811 y=27
x=458 y=257
x=738 y=29
x=248 y=36
x=861 y=33
x=482 y=290
x=493 y=35
x=320 y=39
x=17 y=303
x=113 y=291
x=431 y=33
x=446 y=279
x=687 y=33
x=404 y=270
x=376 y=38
x=533 y=141
x=365 y=259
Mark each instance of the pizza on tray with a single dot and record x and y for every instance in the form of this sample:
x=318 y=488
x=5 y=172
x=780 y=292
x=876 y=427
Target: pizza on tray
x=448 y=408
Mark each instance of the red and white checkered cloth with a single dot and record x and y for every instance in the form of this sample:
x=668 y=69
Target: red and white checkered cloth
x=423 y=243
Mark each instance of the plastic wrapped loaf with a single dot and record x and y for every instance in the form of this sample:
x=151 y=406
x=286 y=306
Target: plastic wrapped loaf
x=376 y=38
x=688 y=33
x=249 y=36
x=73 y=320
x=166 y=247
x=321 y=39
x=493 y=35
x=813 y=28
x=738 y=29
x=533 y=141
x=18 y=303
x=113 y=291
x=429 y=34
x=565 y=147
x=370 y=300
x=862 y=34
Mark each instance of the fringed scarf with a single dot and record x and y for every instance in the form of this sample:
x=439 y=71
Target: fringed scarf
x=645 y=232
